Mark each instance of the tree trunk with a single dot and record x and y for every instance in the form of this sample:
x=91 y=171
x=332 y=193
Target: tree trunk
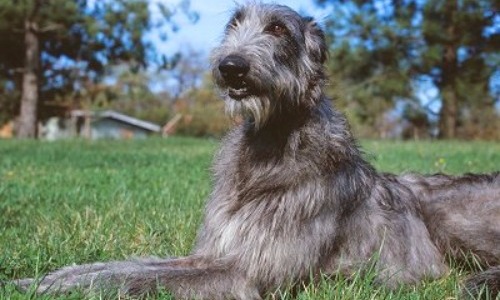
x=27 y=126
x=449 y=110
x=448 y=114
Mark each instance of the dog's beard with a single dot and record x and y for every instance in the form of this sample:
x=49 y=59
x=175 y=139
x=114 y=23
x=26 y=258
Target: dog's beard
x=254 y=108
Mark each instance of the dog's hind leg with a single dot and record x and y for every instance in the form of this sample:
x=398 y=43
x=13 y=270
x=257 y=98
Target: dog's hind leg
x=462 y=214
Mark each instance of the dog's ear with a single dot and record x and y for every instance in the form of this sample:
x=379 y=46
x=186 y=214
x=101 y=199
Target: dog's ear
x=315 y=40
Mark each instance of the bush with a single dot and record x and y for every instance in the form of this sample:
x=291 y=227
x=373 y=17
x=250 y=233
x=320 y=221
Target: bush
x=203 y=113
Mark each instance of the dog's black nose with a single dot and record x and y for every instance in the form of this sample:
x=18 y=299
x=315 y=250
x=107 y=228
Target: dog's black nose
x=234 y=67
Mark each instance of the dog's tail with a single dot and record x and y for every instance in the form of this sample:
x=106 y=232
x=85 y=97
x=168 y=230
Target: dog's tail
x=484 y=285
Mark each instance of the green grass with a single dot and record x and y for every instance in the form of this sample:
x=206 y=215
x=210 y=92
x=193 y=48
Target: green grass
x=77 y=201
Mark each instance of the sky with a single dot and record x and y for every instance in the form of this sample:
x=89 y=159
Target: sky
x=213 y=16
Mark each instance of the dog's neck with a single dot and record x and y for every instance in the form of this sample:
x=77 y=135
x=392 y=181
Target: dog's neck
x=280 y=123
x=288 y=118
x=273 y=137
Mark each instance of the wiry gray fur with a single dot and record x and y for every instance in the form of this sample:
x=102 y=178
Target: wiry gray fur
x=292 y=193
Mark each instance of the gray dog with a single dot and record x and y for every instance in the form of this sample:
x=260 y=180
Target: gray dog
x=293 y=196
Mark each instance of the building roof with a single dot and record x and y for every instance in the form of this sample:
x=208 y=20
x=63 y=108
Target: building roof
x=119 y=117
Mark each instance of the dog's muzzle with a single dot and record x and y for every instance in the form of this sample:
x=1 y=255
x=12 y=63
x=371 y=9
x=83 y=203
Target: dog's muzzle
x=234 y=70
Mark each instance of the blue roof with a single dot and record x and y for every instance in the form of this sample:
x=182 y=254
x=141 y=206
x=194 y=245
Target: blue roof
x=120 y=117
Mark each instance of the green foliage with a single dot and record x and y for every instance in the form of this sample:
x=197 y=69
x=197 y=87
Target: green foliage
x=9 y=103
x=93 y=34
x=78 y=201
x=79 y=41
x=381 y=51
x=131 y=95
x=203 y=112
x=204 y=118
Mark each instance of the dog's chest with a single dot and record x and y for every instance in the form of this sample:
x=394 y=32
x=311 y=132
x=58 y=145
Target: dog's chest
x=280 y=236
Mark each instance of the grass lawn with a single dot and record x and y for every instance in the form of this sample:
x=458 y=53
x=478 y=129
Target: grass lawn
x=78 y=201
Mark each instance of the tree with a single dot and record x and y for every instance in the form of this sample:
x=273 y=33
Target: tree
x=383 y=50
x=460 y=56
x=135 y=98
x=29 y=96
x=202 y=110
x=184 y=74
x=55 y=46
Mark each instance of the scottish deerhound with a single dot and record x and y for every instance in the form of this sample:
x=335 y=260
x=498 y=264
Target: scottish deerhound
x=293 y=196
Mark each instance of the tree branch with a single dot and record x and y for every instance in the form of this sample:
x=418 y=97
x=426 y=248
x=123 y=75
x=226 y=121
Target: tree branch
x=50 y=27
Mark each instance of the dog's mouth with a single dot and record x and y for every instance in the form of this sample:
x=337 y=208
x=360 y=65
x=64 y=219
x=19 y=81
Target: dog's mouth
x=238 y=94
x=238 y=90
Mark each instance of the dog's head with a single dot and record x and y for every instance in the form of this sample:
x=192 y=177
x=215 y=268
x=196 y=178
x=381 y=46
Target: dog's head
x=270 y=58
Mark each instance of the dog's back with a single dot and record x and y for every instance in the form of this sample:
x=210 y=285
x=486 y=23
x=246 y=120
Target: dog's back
x=462 y=214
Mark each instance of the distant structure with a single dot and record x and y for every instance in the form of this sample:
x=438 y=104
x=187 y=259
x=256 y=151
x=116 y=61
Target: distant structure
x=97 y=125
x=111 y=124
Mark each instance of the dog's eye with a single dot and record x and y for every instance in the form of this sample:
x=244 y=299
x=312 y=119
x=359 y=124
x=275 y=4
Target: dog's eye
x=235 y=20
x=232 y=24
x=276 y=29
